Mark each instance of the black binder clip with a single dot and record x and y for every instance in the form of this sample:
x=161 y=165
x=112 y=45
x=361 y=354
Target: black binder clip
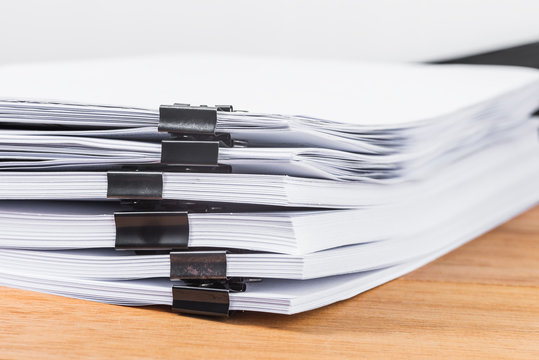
x=210 y=298
x=189 y=153
x=187 y=119
x=200 y=301
x=151 y=230
x=205 y=269
x=198 y=265
x=146 y=185
x=207 y=288
x=196 y=142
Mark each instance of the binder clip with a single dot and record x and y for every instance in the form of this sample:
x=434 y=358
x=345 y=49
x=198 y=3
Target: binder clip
x=207 y=288
x=190 y=120
x=196 y=142
x=200 y=301
x=146 y=185
x=151 y=230
x=206 y=269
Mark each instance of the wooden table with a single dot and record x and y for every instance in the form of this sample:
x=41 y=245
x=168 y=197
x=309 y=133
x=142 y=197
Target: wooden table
x=480 y=301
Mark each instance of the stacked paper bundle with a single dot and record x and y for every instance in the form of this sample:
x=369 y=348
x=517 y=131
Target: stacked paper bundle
x=339 y=177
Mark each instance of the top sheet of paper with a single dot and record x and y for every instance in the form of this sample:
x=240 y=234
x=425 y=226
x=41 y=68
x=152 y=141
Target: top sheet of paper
x=350 y=92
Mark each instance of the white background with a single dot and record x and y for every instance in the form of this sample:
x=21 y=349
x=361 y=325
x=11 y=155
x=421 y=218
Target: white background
x=410 y=30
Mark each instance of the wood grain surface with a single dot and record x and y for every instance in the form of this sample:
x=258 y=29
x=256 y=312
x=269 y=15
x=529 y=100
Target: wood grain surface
x=480 y=301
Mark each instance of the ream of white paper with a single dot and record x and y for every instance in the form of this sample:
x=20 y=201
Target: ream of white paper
x=64 y=225
x=20 y=150
x=273 y=295
x=267 y=189
x=462 y=214
x=360 y=107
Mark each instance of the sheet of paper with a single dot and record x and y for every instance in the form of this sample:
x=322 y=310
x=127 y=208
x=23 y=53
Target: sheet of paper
x=347 y=92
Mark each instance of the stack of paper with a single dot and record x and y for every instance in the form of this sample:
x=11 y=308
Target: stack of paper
x=339 y=177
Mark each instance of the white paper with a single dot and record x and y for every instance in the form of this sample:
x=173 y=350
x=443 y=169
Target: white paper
x=275 y=296
x=46 y=225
